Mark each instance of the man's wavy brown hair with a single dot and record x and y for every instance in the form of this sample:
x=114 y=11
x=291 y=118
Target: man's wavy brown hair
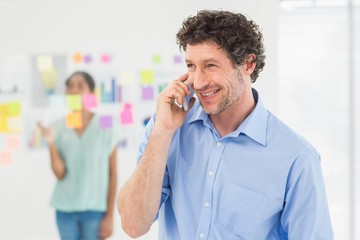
x=232 y=32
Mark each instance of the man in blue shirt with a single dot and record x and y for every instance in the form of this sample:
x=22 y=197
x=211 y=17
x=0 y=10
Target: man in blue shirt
x=226 y=168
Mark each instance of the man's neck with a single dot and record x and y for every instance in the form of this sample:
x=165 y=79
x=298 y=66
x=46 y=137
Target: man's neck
x=230 y=119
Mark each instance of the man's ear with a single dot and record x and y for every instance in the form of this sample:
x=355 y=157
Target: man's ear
x=250 y=63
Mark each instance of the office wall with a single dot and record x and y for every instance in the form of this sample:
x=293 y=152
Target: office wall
x=132 y=32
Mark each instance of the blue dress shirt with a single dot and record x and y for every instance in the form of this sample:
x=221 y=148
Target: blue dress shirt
x=261 y=181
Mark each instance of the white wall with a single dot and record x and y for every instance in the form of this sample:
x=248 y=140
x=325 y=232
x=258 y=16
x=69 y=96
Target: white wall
x=129 y=30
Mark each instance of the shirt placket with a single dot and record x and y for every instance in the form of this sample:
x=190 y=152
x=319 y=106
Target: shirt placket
x=207 y=206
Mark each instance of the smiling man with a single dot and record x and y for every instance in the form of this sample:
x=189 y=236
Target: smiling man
x=226 y=168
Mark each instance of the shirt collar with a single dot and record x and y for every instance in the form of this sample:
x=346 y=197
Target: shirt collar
x=254 y=126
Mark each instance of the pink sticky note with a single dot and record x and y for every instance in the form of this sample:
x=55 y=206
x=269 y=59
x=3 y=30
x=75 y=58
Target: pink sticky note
x=106 y=121
x=89 y=100
x=13 y=142
x=105 y=58
x=126 y=116
x=147 y=93
x=5 y=157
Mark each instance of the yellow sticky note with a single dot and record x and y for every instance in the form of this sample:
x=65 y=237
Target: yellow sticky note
x=3 y=125
x=14 y=109
x=127 y=77
x=44 y=63
x=74 y=102
x=3 y=110
x=49 y=78
x=74 y=120
x=147 y=76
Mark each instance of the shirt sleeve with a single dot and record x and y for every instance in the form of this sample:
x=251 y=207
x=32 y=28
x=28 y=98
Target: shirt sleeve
x=306 y=214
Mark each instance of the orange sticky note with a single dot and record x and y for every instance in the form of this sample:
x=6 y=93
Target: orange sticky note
x=74 y=120
x=5 y=157
x=147 y=76
x=77 y=57
x=74 y=102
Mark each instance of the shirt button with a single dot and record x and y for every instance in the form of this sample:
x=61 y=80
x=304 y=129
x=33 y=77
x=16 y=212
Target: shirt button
x=207 y=204
x=202 y=235
x=211 y=173
x=218 y=144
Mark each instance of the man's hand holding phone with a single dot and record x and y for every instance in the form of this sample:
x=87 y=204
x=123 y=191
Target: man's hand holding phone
x=185 y=105
x=173 y=104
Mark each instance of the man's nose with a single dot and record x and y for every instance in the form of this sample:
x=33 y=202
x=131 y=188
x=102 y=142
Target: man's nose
x=200 y=79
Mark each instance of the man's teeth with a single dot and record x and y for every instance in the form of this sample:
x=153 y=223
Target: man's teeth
x=209 y=93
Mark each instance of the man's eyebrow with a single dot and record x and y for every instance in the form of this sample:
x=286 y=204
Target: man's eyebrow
x=204 y=60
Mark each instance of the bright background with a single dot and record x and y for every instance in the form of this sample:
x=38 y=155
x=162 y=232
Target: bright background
x=309 y=81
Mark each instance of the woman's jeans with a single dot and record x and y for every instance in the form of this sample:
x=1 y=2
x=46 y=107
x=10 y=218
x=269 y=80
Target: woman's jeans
x=79 y=225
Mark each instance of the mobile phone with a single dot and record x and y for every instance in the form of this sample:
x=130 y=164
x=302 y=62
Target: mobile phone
x=188 y=97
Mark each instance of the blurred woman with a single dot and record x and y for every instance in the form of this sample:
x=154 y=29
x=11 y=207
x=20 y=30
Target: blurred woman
x=83 y=160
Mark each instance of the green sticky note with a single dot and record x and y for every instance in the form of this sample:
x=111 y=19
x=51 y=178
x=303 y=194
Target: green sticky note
x=14 y=109
x=74 y=102
x=156 y=59
x=147 y=76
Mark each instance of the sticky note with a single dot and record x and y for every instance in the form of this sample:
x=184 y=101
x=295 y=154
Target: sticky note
x=177 y=59
x=44 y=63
x=5 y=157
x=3 y=124
x=127 y=77
x=126 y=115
x=56 y=101
x=147 y=93
x=14 y=109
x=105 y=58
x=156 y=59
x=161 y=87
x=74 y=120
x=49 y=78
x=87 y=59
x=89 y=100
x=3 y=110
x=13 y=142
x=77 y=57
x=14 y=124
x=147 y=76
x=106 y=121
x=74 y=102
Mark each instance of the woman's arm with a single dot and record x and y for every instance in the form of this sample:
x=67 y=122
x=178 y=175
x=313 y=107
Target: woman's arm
x=57 y=163
x=106 y=227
